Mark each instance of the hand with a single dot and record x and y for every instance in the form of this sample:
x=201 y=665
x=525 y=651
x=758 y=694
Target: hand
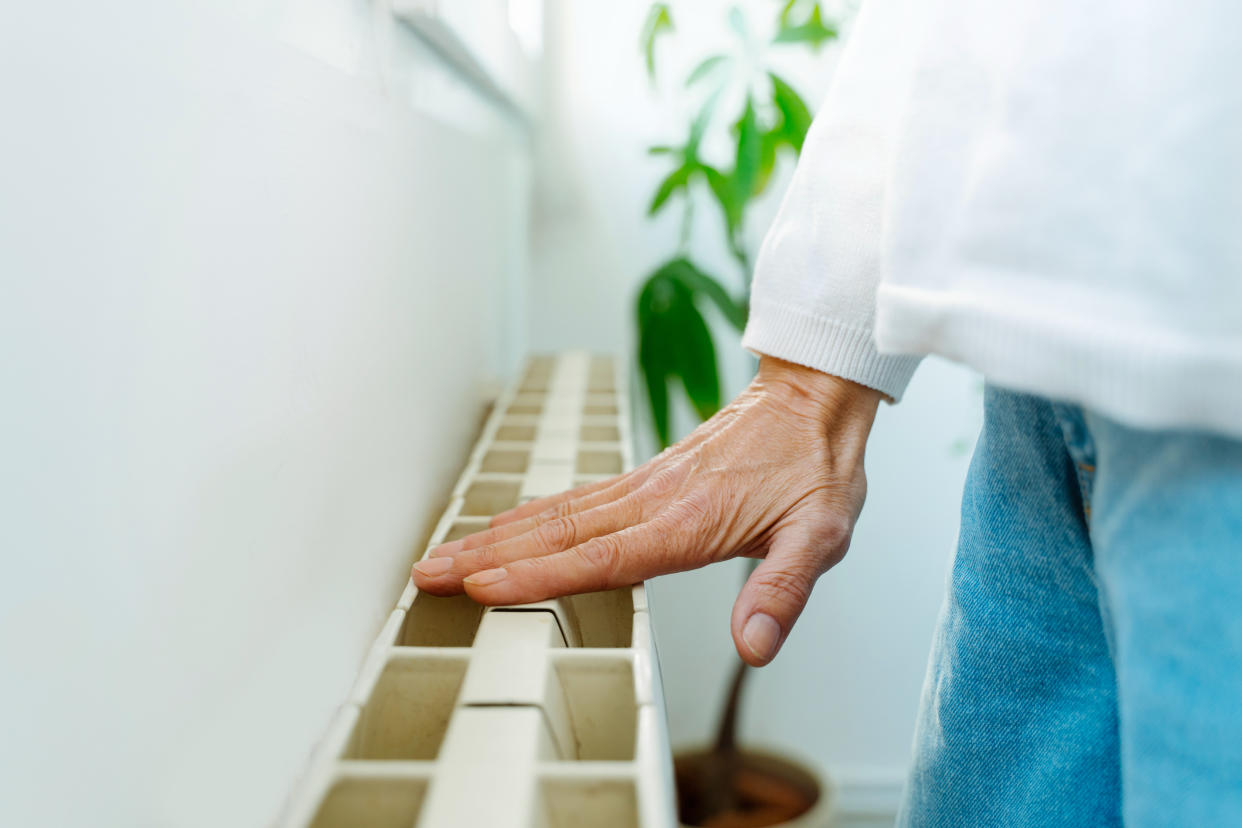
x=777 y=475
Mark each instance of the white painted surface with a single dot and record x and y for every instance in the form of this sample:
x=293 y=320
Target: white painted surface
x=845 y=689
x=249 y=293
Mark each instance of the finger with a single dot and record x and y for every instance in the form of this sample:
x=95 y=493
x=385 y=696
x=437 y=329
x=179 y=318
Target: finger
x=565 y=507
x=628 y=481
x=601 y=491
x=547 y=538
x=605 y=562
x=554 y=530
x=777 y=591
x=488 y=536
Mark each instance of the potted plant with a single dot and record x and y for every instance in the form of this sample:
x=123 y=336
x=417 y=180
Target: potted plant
x=724 y=785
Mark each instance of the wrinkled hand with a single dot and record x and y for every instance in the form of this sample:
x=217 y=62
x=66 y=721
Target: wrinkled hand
x=777 y=475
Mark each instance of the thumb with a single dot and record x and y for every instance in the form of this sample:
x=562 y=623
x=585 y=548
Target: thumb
x=777 y=591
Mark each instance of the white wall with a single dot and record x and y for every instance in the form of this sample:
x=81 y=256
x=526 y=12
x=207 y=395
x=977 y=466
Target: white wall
x=844 y=690
x=250 y=292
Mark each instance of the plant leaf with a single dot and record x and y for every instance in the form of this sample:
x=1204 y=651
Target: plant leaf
x=662 y=149
x=734 y=190
x=704 y=285
x=786 y=11
x=659 y=21
x=737 y=21
x=676 y=180
x=705 y=68
x=675 y=341
x=795 y=117
x=812 y=31
x=699 y=125
x=655 y=344
x=768 y=142
x=723 y=189
x=749 y=156
x=696 y=356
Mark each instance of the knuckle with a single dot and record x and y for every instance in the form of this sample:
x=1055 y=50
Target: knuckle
x=601 y=556
x=784 y=587
x=484 y=557
x=835 y=534
x=633 y=481
x=558 y=534
x=634 y=509
x=661 y=483
x=560 y=511
x=555 y=511
x=663 y=528
x=698 y=506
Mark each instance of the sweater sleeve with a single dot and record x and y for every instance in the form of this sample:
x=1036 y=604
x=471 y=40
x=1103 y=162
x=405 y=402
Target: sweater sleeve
x=813 y=301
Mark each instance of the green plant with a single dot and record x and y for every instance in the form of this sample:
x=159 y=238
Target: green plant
x=674 y=338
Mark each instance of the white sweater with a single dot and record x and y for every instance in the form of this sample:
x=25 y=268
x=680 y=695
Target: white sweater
x=1049 y=191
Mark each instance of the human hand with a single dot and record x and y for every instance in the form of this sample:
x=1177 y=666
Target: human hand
x=777 y=474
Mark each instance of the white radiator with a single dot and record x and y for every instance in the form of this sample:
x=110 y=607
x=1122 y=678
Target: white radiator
x=547 y=715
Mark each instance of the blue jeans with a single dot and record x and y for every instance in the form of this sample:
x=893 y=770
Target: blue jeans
x=1087 y=669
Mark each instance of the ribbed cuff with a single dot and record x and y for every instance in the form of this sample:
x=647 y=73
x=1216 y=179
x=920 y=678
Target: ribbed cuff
x=826 y=345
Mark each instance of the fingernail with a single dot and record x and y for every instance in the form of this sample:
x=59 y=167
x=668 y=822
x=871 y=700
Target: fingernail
x=487 y=577
x=761 y=635
x=432 y=567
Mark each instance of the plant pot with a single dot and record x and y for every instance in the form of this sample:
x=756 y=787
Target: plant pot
x=768 y=789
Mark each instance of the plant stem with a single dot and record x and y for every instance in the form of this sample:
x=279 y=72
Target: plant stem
x=726 y=733
x=687 y=220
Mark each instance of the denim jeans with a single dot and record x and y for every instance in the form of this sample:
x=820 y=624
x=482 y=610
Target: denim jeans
x=1087 y=668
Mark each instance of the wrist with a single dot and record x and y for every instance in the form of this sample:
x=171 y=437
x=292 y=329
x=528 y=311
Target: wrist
x=833 y=401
